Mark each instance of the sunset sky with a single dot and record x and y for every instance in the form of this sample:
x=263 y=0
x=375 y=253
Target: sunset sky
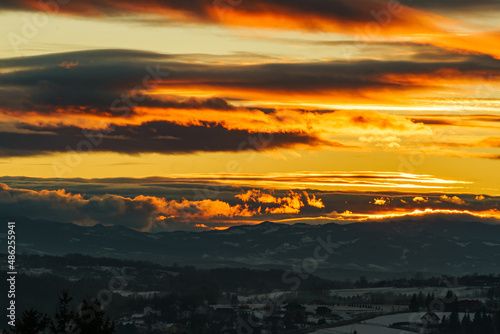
x=202 y=114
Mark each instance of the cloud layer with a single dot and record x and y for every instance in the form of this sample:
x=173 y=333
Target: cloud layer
x=365 y=19
x=174 y=204
x=143 y=102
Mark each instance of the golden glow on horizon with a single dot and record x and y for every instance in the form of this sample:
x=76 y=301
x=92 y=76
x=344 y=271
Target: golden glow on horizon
x=330 y=181
x=349 y=216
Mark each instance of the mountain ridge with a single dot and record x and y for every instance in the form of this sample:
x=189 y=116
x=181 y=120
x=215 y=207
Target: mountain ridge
x=416 y=245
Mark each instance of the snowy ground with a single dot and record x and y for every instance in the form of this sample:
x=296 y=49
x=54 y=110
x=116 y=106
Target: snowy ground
x=386 y=320
x=380 y=325
x=362 y=329
x=462 y=292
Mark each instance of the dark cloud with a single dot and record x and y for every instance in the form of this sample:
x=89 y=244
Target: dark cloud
x=346 y=11
x=43 y=83
x=306 y=13
x=454 y=5
x=151 y=137
x=63 y=207
x=215 y=103
x=431 y=121
x=89 y=82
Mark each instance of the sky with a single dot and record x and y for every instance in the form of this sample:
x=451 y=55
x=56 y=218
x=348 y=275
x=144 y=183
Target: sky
x=197 y=114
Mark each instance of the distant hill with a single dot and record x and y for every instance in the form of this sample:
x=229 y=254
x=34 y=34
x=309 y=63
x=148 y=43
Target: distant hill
x=380 y=250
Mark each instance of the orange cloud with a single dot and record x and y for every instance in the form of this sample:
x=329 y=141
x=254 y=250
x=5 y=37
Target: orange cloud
x=490 y=142
x=454 y=200
x=257 y=196
x=420 y=199
x=288 y=204
x=203 y=209
x=353 y=123
x=380 y=201
x=312 y=201
x=68 y=64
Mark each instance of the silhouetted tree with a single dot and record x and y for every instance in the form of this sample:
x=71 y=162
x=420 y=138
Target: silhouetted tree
x=476 y=322
x=428 y=301
x=454 y=322
x=91 y=319
x=421 y=299
x=65 y=314
x=487 y=325
x=127 y=329
x=444 y=322
x=414 y=304
x=466 y=323
x=32 y=322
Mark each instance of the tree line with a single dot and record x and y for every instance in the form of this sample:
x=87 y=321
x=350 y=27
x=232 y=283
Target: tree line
x=87 y=318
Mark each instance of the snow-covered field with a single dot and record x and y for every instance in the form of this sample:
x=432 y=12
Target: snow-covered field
x=462 y=292
x=380 y=325
x=362 y=329
x=386 y=320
